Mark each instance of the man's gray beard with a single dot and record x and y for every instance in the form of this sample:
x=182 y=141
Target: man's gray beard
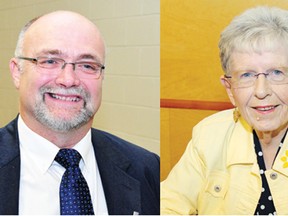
x=47 y=118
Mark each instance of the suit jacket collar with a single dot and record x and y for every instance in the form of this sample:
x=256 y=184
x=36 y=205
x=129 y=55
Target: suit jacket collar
x=9 y=169
x=121 y=190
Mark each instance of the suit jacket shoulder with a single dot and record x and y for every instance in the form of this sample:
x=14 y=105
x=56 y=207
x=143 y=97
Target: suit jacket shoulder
x=130 y=175
x=9 y=169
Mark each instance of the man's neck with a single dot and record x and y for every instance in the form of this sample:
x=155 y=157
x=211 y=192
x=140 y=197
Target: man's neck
x=67 y=139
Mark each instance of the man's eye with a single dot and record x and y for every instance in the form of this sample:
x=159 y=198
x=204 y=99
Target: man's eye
x=89 y=67
x=48 y=61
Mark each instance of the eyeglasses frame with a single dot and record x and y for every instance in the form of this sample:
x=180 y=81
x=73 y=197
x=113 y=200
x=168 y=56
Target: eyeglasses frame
x=35 y=61
x=256 y=75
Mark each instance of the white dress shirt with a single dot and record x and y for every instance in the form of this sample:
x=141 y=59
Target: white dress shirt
x=40 y=175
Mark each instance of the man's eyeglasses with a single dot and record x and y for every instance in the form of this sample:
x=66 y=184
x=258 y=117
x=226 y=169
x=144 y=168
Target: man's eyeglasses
x=84 y=69
x=244 y=79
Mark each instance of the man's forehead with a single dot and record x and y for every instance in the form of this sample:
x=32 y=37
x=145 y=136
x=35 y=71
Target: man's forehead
x=76 y=54
x=62 y=16
x=61 y=21
x=65 y=33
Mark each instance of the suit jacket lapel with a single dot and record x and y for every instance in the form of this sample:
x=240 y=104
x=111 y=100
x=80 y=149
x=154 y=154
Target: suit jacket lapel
x=9 y=169
x=121 y=190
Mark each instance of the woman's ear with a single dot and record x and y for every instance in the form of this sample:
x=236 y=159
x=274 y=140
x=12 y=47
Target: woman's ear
x=15 y=72
x=227 y=85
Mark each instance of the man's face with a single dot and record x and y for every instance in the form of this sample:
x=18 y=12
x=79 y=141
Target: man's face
x=64 y=100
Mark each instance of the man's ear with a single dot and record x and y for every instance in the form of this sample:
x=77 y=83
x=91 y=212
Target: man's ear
x=15 y=72
x=228 y=88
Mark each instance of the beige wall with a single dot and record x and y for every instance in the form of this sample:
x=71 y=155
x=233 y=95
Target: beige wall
x=131 y=28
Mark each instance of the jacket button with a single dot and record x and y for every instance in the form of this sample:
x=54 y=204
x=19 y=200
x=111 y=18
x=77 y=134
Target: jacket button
x=217 y=188
x=273 y=176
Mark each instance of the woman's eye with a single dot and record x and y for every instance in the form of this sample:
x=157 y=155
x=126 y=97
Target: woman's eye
x=247 y=75
x=277 y=73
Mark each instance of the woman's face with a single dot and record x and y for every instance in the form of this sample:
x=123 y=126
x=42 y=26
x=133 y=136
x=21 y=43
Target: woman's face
x=263 y=105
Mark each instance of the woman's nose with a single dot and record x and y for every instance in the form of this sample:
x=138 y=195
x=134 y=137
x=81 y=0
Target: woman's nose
x=262 y=86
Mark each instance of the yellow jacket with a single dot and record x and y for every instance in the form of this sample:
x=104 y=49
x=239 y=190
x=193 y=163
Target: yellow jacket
x=219 y=174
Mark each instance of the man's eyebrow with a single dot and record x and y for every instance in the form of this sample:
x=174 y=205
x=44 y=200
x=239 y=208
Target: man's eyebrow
x=51 y=52
x=61 y=54
x=89 y=56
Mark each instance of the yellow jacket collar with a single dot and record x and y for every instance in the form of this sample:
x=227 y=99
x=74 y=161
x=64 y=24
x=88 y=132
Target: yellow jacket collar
x=240 y=145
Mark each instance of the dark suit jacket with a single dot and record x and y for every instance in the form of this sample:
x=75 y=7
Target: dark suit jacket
x=130 y=174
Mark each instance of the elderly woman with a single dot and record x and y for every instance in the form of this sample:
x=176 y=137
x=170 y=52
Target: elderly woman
x=236 y=162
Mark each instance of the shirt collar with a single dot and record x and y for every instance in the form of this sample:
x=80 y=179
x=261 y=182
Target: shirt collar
x=42 y=152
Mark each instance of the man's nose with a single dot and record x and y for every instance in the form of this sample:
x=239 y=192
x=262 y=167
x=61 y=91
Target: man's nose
x=67 y=76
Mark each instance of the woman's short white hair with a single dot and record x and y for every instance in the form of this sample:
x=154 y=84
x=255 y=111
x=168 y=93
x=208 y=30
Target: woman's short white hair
x=256 y=30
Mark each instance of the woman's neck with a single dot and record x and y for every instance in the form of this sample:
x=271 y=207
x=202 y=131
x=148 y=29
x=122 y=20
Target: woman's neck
x=270 y=142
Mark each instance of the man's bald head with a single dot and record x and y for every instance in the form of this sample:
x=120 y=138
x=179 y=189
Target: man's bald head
x=55 y=21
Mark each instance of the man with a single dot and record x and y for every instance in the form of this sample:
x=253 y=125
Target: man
x=58 y=70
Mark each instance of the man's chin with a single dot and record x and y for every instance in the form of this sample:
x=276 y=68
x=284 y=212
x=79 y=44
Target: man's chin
x=63 y=125
x=64 y=122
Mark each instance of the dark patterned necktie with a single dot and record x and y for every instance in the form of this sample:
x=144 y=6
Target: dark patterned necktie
x=74 y=192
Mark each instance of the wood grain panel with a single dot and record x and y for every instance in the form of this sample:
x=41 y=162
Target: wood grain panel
x=193 y=104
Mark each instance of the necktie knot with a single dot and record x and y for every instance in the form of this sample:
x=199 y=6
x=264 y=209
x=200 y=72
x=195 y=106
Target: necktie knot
x=68 y=158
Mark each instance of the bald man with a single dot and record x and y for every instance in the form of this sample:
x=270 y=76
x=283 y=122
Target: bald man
x=58 y=70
